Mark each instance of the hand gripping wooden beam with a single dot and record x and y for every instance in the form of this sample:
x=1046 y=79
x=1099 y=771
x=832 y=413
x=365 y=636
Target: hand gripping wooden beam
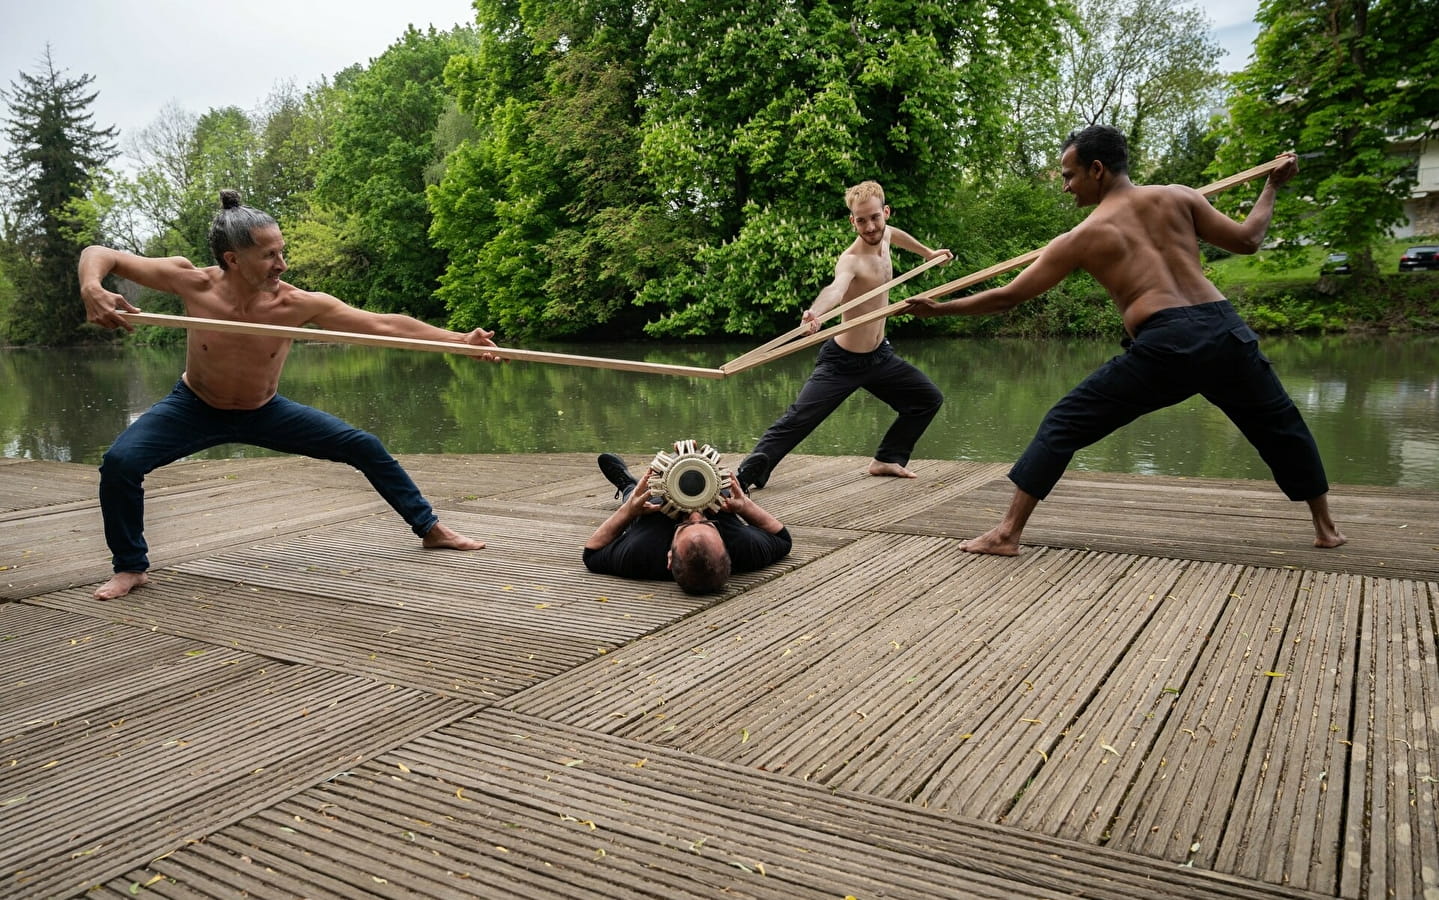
x=799 y=331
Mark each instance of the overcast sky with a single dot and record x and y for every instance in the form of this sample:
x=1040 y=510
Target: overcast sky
x=202 y=54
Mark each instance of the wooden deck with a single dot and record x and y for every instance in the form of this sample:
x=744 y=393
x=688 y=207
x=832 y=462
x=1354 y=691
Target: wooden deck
x=1169 y=694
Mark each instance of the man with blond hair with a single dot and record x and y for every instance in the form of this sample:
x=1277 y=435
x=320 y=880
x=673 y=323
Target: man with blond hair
x=859 y=358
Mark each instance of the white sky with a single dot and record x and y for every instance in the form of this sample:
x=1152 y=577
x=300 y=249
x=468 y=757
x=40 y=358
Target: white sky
x=203 y=54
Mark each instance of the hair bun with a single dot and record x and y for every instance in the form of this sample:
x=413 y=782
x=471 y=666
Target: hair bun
x=229 y=199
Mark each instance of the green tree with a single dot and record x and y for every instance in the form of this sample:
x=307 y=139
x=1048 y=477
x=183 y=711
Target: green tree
x=691 y=157
x=156 y=195
x=292 y=131
x=1337 y=83
x=762 y=113
x=1146 y=67
x=550 y=226
x=1189 y=157
x=55 y=153
x=184 y=161
x=371 y=176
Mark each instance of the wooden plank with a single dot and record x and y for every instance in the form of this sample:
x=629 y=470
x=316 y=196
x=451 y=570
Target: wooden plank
x=521 y=807
x=1286 y=822
x=27 y=484
x=881 y=702
x=1178 y=811
x=85 y=800
x=1088 y=775
x=758 y=353
x=1244 y=522
x=398 y=343
x=55 y=550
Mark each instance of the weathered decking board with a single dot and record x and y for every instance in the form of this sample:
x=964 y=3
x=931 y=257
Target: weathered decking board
x=306 y=703
x=1226 y=521
x=167 y=761
x=64 y=546
x=521 y=807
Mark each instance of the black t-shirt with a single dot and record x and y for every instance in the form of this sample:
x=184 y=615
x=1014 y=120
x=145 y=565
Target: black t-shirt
x=642 y=550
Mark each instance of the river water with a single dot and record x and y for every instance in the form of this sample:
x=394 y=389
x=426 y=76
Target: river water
x=1373 y=403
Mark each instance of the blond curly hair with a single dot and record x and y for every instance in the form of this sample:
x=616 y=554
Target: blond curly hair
x=863 y=191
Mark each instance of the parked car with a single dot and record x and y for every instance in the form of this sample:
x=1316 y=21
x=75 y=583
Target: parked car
x=1423 y=257
x=1335 y=264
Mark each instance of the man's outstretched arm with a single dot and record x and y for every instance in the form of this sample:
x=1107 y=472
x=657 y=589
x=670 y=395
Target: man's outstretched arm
x=1056 y=262
x=906 y=241
x=173 y=274
x=1245 y=237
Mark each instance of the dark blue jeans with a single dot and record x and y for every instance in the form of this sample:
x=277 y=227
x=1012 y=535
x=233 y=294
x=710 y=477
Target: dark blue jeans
x=182 y=424
x=839 y=373
x=1177 y=353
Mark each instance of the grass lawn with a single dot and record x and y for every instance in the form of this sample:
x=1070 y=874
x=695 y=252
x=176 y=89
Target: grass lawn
x=1265 y=266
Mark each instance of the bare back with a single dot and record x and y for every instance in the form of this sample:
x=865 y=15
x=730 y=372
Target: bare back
x=1142 y=245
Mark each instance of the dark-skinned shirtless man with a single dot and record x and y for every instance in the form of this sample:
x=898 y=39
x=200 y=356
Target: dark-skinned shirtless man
x=1141 y=244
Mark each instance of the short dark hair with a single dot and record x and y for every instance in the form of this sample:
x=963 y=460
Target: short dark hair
x=1102 y=142
x=699 y=569
x=234 y=225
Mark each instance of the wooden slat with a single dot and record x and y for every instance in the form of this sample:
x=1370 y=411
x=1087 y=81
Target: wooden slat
x=140 y=775
x=881 y=713
x=520 y=807
x=1236 y=521
x=397 y=343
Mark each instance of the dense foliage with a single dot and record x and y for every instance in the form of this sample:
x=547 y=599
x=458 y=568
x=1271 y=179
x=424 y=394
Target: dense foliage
x=612 y=169
x=1339 y=82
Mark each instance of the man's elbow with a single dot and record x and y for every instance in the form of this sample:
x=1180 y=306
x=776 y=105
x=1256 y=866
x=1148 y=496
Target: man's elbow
x=1249 y=246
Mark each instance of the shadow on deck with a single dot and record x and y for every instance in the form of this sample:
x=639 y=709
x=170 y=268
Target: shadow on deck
x=1169 y=694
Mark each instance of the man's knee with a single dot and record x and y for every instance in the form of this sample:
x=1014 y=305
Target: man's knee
x=119 y=465
x=931 y=403
x=360 y=446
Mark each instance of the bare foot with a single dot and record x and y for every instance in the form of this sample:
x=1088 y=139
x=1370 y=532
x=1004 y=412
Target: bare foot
x=894 y=470
x=120 y=584
x=1326 y=533
x=440 y=537
x=994 y=542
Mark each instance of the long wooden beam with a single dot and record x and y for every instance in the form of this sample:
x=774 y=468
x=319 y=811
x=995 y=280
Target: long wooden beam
x=800 y=330
x=398 y=343
x=749 y=361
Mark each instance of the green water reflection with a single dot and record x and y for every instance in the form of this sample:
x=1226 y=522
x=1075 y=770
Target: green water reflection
x=1373 y=404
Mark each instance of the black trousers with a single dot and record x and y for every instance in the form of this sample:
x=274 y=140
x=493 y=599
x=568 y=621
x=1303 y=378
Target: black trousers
x=1179 y=352
x=839 y=373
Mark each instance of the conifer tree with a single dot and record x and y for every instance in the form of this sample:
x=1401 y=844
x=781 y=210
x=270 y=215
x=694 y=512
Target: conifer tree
x=56 y=153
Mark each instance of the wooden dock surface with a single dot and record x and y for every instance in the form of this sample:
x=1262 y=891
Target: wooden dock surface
x=1170 y=693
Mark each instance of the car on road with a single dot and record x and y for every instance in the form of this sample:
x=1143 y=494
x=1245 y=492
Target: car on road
x=1425 y=256
x=1335 y=264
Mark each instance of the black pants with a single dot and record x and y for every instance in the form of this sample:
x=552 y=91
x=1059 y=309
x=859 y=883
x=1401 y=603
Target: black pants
x=1179 y=352
x=839 y=373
